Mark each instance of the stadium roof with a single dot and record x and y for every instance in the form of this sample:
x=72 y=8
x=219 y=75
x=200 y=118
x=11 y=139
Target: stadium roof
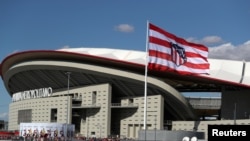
x=124 y=69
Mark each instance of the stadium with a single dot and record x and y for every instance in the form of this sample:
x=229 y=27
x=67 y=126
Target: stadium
x=101 y=91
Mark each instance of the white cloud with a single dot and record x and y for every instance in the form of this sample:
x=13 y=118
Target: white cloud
x=124 y=28
x=212 y=40
x=208 y=40
x=230 y=51
x=219 y=49
x=65 y=47
x=4 y=116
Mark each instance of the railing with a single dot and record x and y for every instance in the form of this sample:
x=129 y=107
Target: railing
x=206 y=106
x=113 y=105
x=86 y=105
x=205 y=103
x=119 y=105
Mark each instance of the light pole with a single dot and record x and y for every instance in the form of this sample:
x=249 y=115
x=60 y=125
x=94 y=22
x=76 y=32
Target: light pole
x=68 y=73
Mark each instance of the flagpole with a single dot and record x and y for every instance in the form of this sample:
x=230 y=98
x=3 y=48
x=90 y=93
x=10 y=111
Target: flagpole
x=145 y=80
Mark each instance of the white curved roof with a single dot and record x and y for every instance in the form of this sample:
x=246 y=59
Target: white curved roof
x=115 y=54
x=225 y=70
x=38 y=69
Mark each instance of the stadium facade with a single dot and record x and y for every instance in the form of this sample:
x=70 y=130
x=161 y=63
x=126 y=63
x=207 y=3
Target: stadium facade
x=101 y=92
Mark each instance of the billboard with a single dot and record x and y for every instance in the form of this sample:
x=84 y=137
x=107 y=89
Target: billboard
x=47 y=130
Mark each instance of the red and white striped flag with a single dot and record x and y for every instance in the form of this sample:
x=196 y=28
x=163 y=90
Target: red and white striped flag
x=168 y=52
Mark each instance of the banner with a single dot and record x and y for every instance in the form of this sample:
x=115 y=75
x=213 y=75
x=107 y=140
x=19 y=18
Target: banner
x=47 y=130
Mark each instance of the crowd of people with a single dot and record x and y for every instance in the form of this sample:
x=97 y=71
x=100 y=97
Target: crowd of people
x=46 y=138
x=29 y=135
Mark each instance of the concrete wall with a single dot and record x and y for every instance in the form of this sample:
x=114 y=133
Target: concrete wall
x=41 y=109
x=97 y=120
x=96 y=100
x=131 y=123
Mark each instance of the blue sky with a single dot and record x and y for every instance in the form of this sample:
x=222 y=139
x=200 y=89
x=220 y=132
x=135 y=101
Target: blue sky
x=222 y=25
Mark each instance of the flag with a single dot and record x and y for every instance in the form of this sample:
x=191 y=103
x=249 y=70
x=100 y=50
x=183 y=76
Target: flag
x=167 y=52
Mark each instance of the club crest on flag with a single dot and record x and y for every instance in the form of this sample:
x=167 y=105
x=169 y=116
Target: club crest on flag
x=178 y=54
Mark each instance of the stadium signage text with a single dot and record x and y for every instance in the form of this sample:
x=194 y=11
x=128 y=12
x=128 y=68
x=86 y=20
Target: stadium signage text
x=30 y=94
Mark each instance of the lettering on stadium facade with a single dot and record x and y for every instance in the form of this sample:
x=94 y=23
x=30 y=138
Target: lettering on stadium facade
x=30 y=94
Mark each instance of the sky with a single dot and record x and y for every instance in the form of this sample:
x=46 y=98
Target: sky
x=221 y=25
